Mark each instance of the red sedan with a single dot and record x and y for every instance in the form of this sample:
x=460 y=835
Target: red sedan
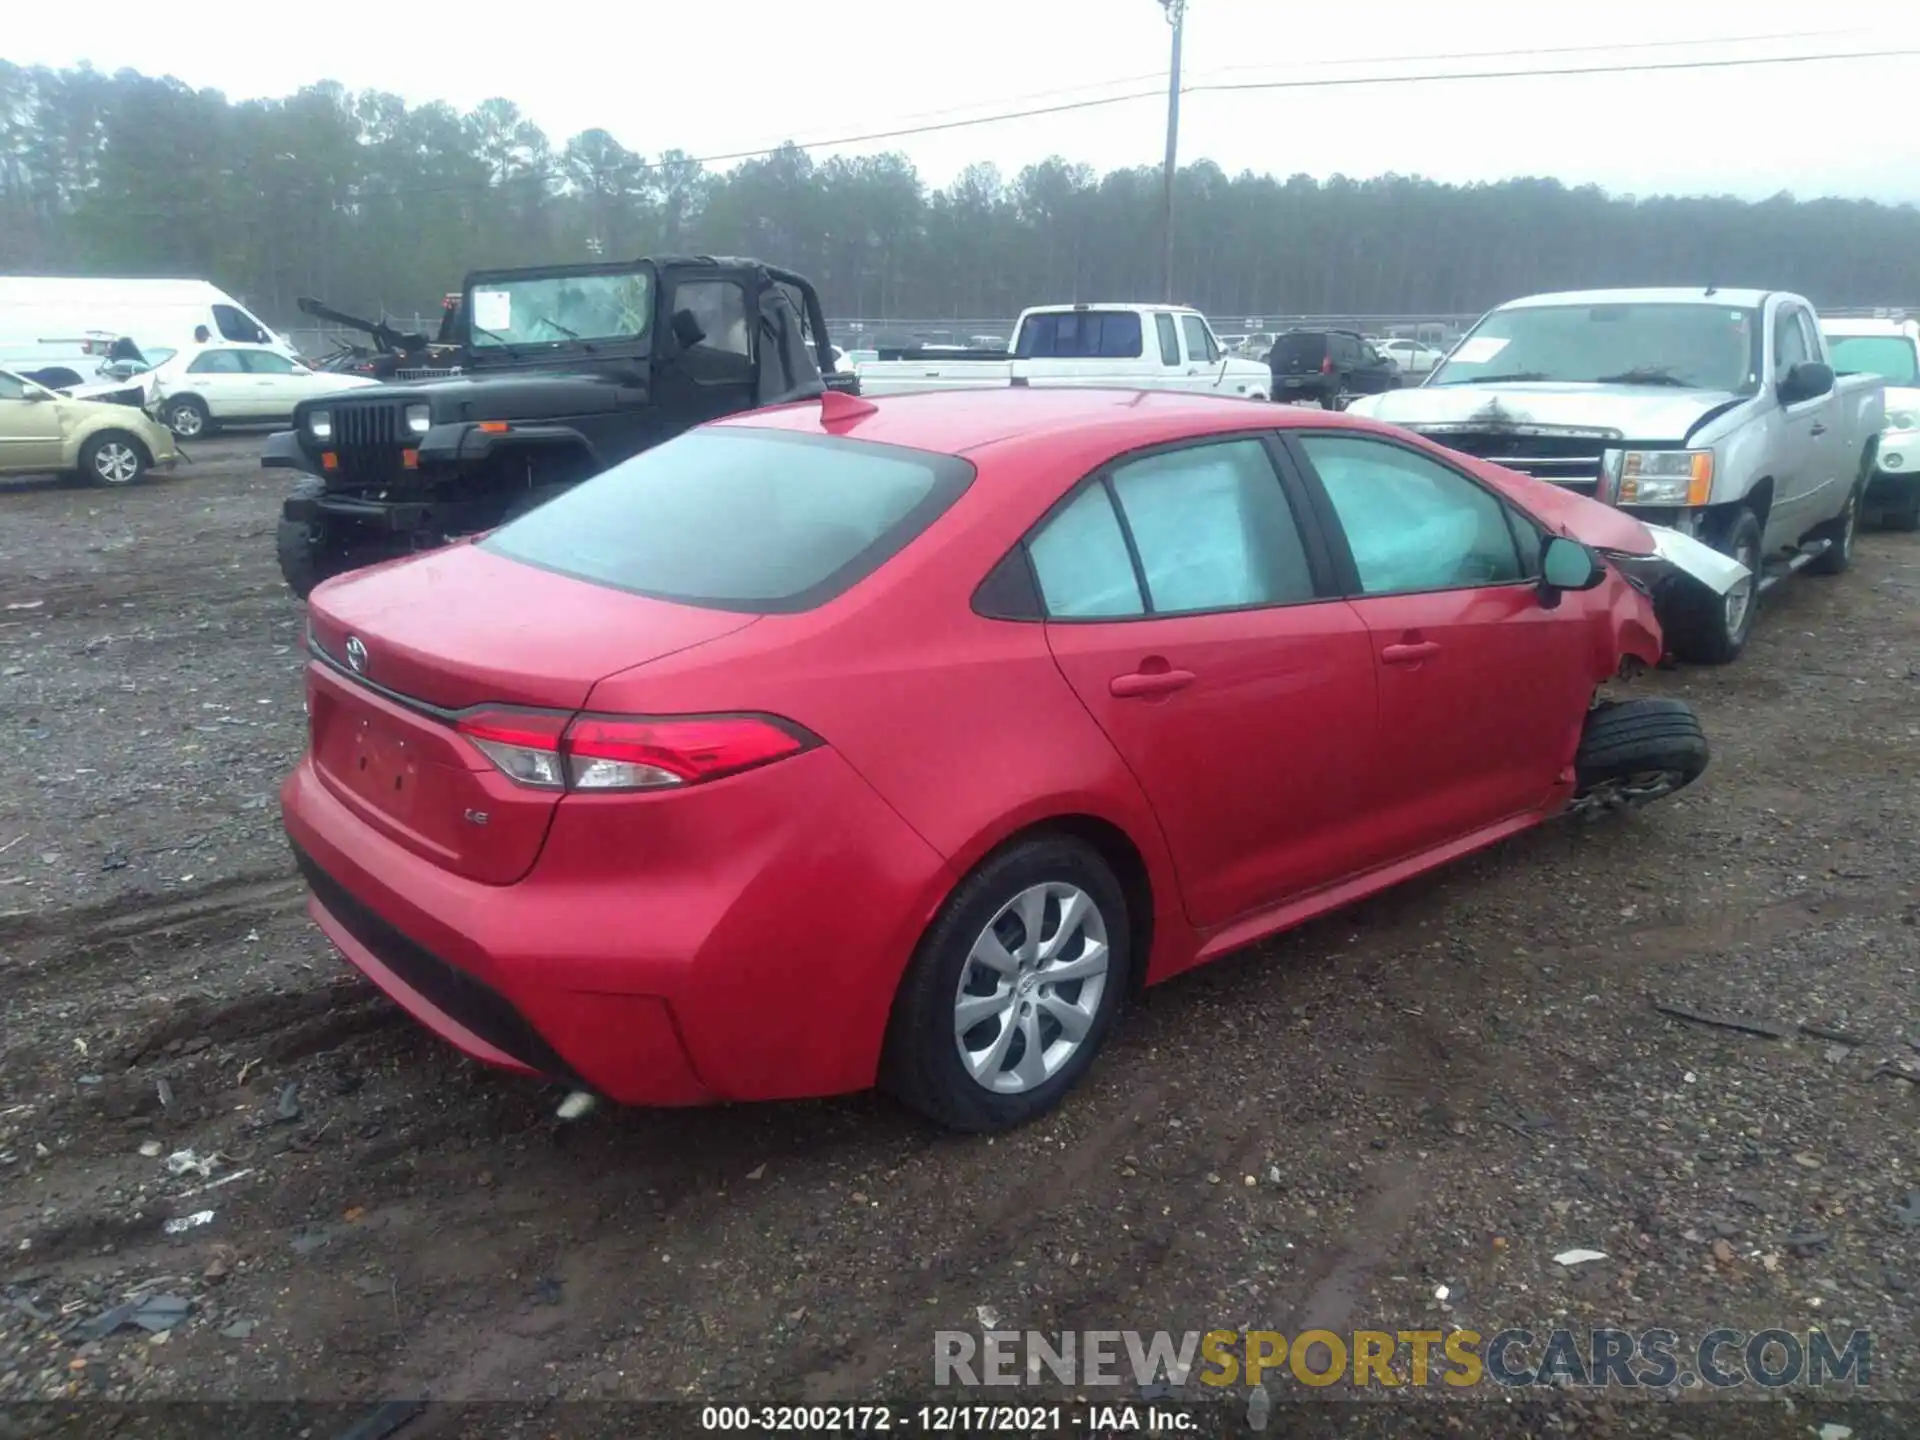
x=853 y=742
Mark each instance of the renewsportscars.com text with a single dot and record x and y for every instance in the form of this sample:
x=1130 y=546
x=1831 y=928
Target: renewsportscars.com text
x=1600 y=1357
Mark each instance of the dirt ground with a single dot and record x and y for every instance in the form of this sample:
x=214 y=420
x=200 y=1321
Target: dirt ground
x=1443 y=1088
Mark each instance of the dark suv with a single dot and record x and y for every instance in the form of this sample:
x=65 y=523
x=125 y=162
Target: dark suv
x=1330 y=366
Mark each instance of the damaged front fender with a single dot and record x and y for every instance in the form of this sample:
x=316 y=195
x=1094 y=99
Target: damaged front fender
x=1678 y=554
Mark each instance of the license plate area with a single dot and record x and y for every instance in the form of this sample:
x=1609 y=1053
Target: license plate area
x=381 y=766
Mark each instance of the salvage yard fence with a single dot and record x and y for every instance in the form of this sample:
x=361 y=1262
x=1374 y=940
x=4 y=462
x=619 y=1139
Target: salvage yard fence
x=867 y=332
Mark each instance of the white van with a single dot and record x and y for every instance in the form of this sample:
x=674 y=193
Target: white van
x=58 y=330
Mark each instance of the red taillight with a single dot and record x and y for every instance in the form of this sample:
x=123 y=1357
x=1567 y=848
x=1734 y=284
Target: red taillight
x=1326 y=366
x=613 y=752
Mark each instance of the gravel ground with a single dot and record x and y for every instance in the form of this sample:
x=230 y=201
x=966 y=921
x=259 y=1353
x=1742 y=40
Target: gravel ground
x=1443 y=1088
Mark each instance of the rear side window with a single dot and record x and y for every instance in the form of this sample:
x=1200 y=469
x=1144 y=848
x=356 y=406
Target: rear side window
x=1080 y=558
x=1169 y=340
x=757 y=521
x=1081 y=335
x=265 y=362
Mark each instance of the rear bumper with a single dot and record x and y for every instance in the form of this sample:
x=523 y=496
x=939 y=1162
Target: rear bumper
x=751 y=955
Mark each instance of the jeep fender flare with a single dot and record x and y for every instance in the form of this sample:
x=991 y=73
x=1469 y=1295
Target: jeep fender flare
x=466 y=442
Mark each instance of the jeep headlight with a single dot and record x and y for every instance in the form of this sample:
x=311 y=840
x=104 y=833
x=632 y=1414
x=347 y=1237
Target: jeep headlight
x=320 y=424
x=1666 y=477
x=419 y=418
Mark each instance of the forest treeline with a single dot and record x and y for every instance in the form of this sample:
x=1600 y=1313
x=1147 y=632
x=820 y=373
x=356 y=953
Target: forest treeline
x=375 y=204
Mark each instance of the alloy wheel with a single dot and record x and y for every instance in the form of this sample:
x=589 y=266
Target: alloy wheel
x=116 y=463
x=1739 y=600
x=1031 y=988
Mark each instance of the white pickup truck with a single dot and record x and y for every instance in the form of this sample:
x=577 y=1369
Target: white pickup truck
x=1135 y=347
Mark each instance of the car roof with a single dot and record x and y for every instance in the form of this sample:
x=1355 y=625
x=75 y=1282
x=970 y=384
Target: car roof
x=1065 y=425
x=1659 y=295
x=1890 y=328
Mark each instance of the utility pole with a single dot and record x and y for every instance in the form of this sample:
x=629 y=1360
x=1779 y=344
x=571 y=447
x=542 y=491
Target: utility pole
x=1176 y=17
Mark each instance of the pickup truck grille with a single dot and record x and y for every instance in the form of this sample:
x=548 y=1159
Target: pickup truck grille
x=368 y=438
x=1569 y=460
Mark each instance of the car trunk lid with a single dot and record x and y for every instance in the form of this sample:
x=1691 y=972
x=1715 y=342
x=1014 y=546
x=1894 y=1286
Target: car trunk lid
x=403 y=652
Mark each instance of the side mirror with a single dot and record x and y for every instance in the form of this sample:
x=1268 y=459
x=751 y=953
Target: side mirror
x=687 y=330
x=1567 y=565
x=1808 y=380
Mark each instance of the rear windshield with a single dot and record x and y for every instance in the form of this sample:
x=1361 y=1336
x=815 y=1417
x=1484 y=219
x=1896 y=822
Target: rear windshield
x=739 y=519
x=1306 y=345
x=1080 y=335
x=1890 y=356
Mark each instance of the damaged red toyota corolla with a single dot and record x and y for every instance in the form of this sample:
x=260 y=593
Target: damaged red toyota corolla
x=897 y=742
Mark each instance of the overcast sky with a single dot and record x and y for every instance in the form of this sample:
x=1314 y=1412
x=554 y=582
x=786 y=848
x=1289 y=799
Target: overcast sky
x=719 y=78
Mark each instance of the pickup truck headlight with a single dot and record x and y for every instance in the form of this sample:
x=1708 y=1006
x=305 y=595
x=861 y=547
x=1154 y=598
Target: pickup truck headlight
x=419 y=418
x=1902 y=420
x=320 y=424
x=1666 y=477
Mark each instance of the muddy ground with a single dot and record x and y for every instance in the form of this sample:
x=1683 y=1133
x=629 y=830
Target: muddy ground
x=1445 y=1087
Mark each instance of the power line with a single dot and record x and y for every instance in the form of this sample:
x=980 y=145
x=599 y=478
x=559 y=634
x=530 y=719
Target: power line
x=1058 y=93
x=902 y=132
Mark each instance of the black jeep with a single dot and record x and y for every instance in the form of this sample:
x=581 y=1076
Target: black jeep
x=567 y=370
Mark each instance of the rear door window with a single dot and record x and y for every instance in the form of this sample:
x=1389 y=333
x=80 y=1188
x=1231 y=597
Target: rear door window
x=742 y=519
x=1081 y=335
x=216 y=362
x=265 y=362
x=1169 y=339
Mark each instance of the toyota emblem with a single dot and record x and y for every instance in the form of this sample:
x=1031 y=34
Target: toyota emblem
x=356 y=655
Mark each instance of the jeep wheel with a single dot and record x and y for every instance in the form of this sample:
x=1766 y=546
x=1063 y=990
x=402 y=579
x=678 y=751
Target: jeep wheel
x=307 y=555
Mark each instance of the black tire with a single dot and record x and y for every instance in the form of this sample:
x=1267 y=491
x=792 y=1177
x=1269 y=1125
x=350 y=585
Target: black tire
x=1841 y=530
x=1698 y=631
x=922 y=1066
x=188 y=417
x=1637 y=751
x=115 y=459
x=307 y=555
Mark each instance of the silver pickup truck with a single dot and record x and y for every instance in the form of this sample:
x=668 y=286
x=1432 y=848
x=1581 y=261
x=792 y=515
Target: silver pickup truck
x=1715 y=412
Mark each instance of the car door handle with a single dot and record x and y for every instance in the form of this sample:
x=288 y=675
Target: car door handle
x=1410 y=654
x=1149 y=682
x=1818 y=429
